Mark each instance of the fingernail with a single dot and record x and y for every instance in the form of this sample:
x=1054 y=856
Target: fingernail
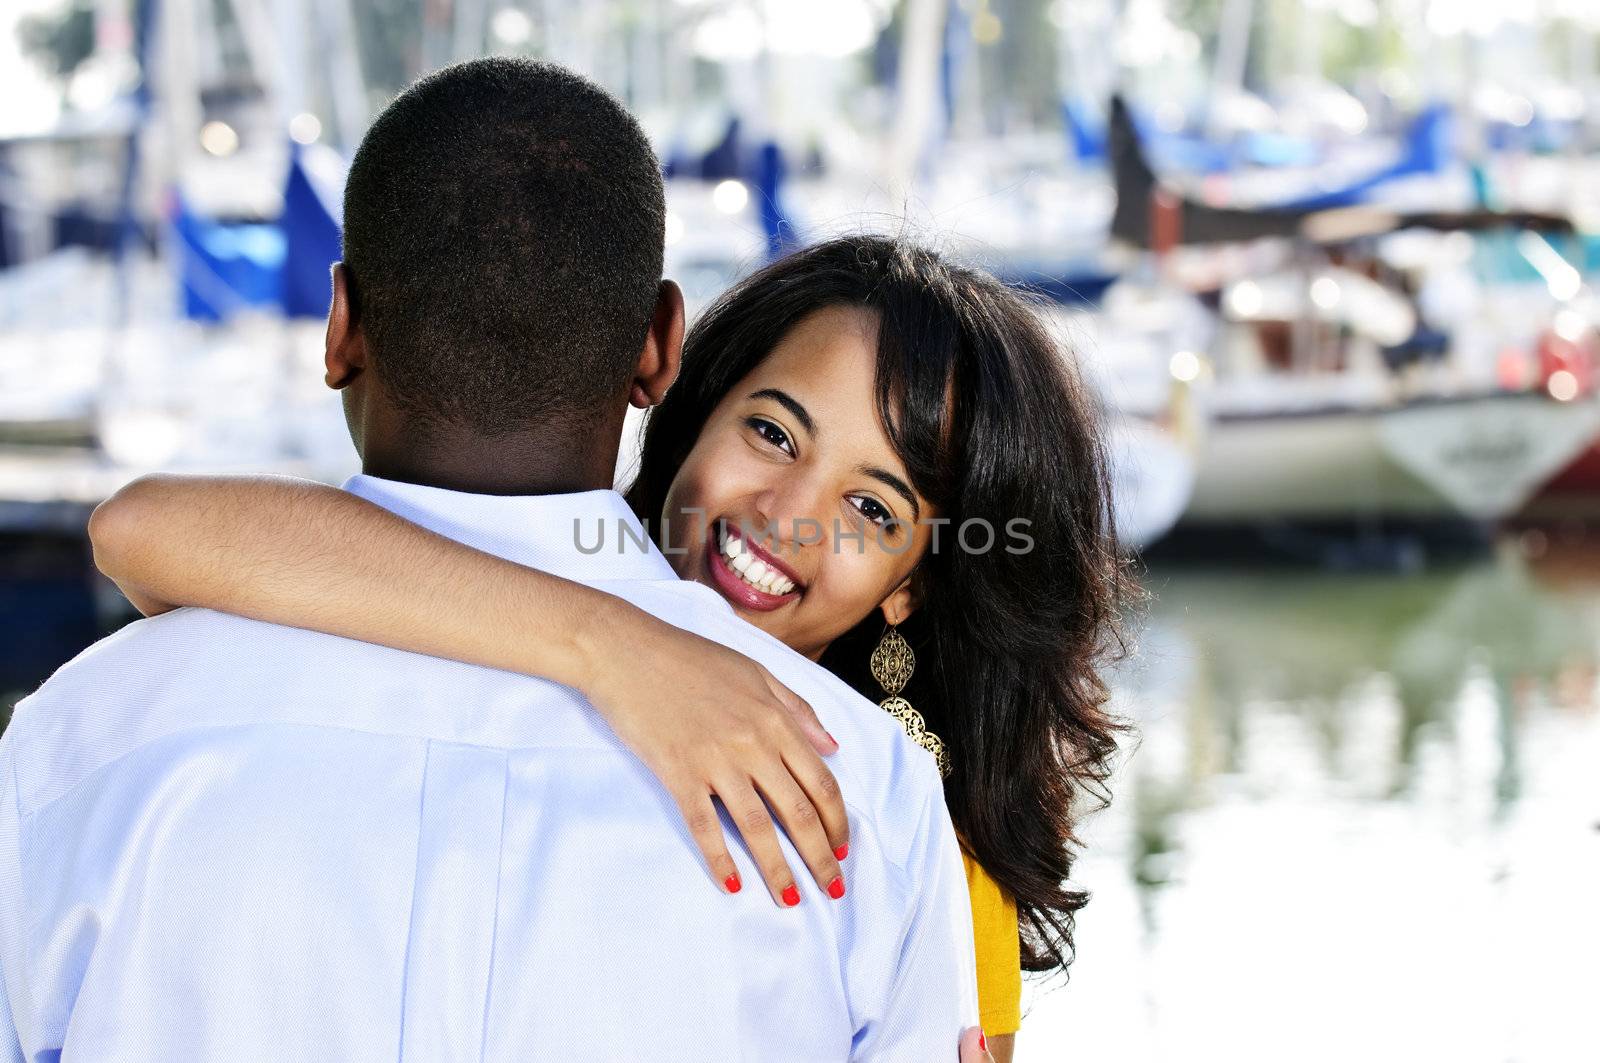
x=841 y=851
x=836 y=888
x=732 y=883
x=983 y=1042
x=791 y=896
x=832 y=739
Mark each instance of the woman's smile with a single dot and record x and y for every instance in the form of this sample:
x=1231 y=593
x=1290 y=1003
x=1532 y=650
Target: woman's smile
x=749 y=576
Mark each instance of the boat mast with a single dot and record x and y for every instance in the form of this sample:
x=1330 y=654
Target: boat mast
x=347 y=85
x=918 y=93
x=1233 y=56
x=471 y=20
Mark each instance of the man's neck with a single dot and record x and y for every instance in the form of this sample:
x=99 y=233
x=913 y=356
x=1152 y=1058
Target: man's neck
x=559 y=455
x=521 y=464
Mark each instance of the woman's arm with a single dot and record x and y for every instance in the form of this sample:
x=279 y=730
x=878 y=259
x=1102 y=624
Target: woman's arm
x=705 y=719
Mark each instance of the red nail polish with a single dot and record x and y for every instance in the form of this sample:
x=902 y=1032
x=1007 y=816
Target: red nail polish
x=791 y=896
x=983 y=1042
x=732 y=883
x=842 y=851
x=836 y=888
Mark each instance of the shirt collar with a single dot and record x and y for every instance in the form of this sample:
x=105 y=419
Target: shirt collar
x=590 y=536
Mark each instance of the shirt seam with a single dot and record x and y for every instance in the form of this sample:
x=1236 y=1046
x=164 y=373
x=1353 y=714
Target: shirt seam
x=416 y=876
x=494 y=931
x=26 y=978
x=934 y=795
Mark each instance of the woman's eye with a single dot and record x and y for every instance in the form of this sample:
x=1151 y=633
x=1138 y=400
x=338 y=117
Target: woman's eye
x=871 y=508
x=771 y=433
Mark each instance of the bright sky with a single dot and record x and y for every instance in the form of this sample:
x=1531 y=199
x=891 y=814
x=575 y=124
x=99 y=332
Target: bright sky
x=819 y=27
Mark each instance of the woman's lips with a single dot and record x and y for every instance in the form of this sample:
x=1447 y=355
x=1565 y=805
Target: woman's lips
x=735 y=588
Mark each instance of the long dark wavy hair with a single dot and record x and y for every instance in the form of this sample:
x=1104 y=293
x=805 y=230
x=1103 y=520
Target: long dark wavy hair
x=991 y=421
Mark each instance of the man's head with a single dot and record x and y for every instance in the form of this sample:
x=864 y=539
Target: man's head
x=500 y=297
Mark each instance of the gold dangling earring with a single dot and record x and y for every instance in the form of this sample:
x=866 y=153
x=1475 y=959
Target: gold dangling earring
x=892 y=663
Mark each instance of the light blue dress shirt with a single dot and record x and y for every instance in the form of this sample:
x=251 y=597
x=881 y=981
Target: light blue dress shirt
x=223 y=840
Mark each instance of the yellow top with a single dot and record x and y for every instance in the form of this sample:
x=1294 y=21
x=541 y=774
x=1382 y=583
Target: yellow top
x=994 y=930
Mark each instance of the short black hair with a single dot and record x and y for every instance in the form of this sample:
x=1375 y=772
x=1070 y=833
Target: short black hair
x=503 y=230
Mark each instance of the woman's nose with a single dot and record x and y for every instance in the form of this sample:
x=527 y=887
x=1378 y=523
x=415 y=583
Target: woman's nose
x=791 y=515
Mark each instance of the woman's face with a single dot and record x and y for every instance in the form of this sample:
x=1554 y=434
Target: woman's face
x=792 y=504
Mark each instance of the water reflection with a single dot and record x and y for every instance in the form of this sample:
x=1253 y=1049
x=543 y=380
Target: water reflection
x=1363 y=821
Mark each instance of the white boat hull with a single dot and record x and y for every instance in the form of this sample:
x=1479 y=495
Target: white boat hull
x=1476 y=458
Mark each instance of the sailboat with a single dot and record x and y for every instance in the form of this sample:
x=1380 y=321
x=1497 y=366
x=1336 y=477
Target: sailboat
x=1322 y=414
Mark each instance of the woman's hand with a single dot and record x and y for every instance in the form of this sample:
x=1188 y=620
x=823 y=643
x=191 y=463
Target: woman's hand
x=974 y=1046
x=710 y=722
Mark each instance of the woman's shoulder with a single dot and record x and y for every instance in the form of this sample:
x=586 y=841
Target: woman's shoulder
x=986 y=891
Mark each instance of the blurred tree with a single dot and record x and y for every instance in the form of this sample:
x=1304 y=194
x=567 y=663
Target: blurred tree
x=390 y=36
x=1352 y=53
x=1012 y=45
x=1200 y=17
x=60 y=40
x=1203 y=18
x=1029 y=51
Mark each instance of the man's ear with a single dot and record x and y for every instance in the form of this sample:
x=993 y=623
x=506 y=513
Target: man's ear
x=902 y=602
x=663 y=350
x=345 y=348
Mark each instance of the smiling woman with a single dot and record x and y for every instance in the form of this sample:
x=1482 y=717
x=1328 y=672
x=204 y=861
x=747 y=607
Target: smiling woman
x=837 y=411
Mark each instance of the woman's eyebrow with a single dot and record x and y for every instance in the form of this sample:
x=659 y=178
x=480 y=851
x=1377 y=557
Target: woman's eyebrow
x=895 y=484
x=788 y=402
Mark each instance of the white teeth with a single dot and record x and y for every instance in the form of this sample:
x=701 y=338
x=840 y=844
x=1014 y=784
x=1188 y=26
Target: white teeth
x=753 y=571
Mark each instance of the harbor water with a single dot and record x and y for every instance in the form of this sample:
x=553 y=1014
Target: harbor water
x=1361 y=821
